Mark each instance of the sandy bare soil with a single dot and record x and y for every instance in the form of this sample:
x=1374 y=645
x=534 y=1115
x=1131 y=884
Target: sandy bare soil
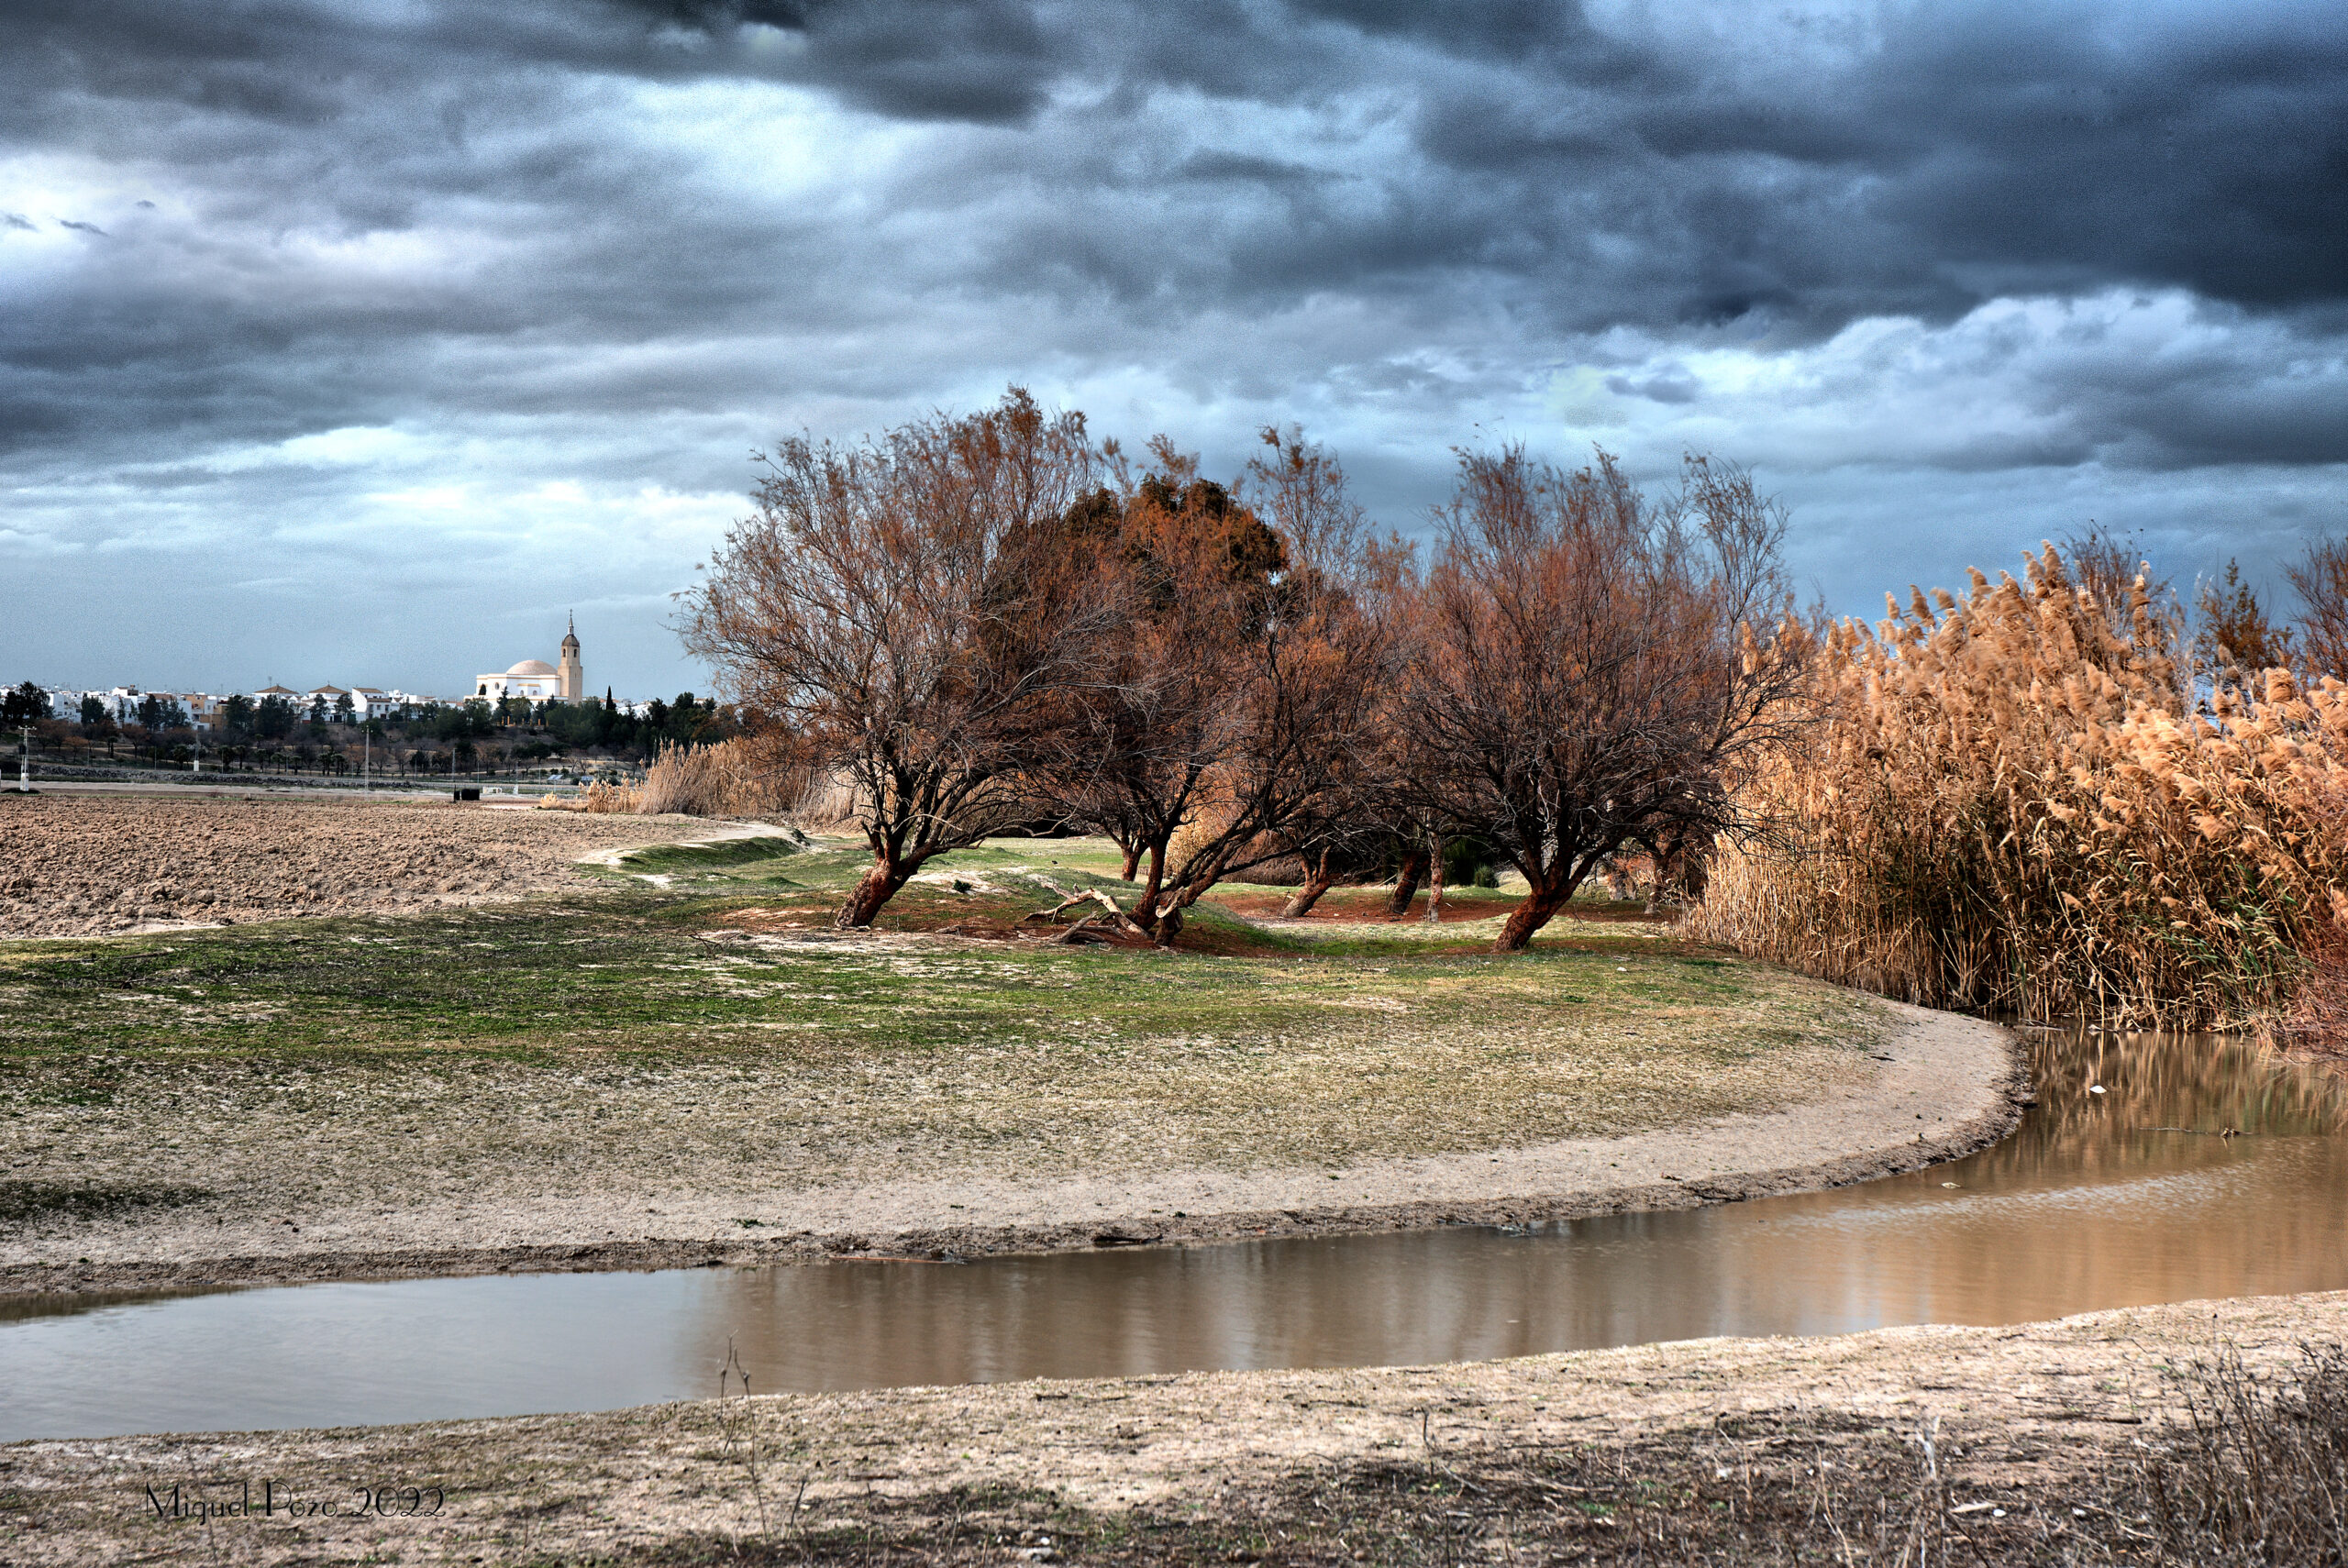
x=2025 y=1426
x=1938 y=1086
x=79 y=865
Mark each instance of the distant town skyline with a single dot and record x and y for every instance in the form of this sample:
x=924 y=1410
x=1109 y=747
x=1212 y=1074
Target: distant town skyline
x=361 y=341
x=457 y=689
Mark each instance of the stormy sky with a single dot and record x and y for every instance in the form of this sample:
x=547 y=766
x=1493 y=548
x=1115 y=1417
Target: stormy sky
x=359 y=341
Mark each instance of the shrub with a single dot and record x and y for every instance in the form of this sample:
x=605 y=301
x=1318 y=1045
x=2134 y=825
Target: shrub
x=2256 y=1473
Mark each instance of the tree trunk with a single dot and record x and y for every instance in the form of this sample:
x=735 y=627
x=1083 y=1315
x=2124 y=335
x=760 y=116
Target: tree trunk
x=1540 y=906
x=874 y=888
x=1435 y=880
x=1406 y=883
x=1133 y=860
x=1318 y=880
x=1146 y=907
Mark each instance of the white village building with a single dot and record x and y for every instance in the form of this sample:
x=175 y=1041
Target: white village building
x=537 y=680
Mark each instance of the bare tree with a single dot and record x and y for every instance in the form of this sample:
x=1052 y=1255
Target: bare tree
x=1586 y=670
x=2113 y=568
x=1300 y=490
x=904 y=611
x=2320 y=579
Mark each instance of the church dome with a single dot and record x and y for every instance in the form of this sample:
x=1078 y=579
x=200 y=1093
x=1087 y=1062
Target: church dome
x=532 y=667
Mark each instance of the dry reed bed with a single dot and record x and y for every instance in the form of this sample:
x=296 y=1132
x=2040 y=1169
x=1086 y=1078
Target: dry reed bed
x=2012 y=801
x=743 y=776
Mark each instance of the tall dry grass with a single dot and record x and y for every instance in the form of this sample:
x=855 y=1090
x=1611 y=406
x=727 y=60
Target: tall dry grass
x=744 y=777
x=2011 y=802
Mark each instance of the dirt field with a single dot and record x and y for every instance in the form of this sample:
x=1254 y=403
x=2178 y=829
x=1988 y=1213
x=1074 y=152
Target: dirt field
x=1933 y=1445
x=83 y=865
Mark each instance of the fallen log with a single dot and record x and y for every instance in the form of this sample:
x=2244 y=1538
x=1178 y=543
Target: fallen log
x=1094 y=894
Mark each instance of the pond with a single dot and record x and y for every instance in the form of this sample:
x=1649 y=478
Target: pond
x=2127 y=1196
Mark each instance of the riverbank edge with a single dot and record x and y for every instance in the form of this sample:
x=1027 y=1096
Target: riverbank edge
x=2016 y=1417
x=2006 y=1092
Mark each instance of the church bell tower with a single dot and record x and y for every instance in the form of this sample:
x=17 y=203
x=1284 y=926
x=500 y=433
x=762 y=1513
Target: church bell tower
x=571 y=681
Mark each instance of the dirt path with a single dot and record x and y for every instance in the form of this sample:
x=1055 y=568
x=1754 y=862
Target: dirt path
x=2026 y=1425
x=1940 y=1087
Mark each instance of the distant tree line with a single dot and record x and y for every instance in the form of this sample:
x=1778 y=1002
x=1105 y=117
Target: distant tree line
x=278 y=735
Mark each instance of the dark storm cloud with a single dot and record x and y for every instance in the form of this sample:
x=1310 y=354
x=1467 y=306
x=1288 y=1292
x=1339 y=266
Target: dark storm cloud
x=1672 y=384
x=2049 y=150
x=1593 y=177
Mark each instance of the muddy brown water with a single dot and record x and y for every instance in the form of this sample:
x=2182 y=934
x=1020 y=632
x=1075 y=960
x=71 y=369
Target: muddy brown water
x=2126 y=1197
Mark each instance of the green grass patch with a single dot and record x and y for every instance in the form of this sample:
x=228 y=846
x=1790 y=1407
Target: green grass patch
x=716 y=1024
x=763 y=854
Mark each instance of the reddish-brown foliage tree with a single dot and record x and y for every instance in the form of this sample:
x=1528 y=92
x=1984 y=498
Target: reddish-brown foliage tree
x=1586 y=670
x=1242 y=686
x=904 y=611
x=2235 y=639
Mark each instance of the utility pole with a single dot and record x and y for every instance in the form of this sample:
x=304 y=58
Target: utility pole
x=25 y=760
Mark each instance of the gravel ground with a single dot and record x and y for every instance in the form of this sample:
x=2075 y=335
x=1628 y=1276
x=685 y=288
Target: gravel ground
x=75 y=865
x=1993 y=1444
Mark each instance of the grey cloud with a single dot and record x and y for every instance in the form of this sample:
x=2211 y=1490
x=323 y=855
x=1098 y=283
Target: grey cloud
x=1673 y=385
x=2239 y=420
x=467 y=215
x=2210 y=157
x=986 y=62
x=1249 y=169
x=1966 y=152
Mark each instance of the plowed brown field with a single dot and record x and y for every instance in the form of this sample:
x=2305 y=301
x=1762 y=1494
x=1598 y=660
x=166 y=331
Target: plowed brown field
x=82 y=865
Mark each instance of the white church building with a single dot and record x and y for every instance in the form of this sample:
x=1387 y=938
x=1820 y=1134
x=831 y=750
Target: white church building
x=537 y=681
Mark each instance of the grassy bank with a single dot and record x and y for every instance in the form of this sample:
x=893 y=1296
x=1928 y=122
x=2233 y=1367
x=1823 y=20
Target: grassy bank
x=695 y=1021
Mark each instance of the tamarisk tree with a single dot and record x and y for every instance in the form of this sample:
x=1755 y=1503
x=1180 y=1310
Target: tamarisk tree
x=1300 y=489
x=1241 y=686
x=903 y=612
x=1585 y=670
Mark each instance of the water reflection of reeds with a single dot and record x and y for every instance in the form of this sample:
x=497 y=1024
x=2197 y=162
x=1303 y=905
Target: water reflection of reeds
x=2168 y=1103
x=2209 y=1082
